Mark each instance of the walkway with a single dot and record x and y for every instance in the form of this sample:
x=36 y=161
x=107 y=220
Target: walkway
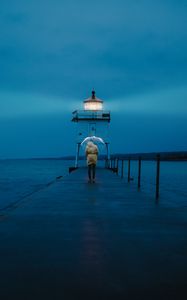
x=75 y=240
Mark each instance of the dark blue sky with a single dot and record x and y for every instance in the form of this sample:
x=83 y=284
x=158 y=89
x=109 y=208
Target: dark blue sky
x=52 y=53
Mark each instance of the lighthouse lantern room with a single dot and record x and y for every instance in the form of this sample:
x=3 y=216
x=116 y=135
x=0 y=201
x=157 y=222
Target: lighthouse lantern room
x=92 y=120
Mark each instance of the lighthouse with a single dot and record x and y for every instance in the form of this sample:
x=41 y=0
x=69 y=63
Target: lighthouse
x=92 y=121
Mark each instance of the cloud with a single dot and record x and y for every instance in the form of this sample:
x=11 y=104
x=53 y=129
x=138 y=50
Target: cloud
x=22 y=105
x=65 y=47
x=171 y=102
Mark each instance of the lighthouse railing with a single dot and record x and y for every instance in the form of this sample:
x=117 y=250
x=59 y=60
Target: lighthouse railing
x=79 y=115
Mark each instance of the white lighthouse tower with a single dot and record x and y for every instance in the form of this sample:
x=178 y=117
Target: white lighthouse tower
x=92 y=121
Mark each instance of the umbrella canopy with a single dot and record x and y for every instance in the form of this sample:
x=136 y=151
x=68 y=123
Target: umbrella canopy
x=96 y=140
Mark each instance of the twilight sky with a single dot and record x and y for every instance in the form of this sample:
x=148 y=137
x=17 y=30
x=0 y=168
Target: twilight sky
x=53 y=52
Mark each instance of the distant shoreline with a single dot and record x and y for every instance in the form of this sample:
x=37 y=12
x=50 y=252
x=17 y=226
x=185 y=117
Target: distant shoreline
x=165 y=156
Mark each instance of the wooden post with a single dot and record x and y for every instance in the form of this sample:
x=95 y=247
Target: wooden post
x=108 y=151
x=112 y=163
x=139 y=172
x=129 y=170
x=157 y=176
x=122 y=167
x=117 y=165
x=106 y=163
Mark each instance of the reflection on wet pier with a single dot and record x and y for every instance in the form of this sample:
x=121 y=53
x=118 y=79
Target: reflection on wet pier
x=75 y=240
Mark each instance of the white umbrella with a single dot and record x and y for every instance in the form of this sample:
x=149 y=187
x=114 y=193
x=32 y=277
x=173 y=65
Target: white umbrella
x=95 y=139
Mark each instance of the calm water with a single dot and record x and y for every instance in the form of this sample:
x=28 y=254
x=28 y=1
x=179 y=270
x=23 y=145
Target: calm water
x=18 y=178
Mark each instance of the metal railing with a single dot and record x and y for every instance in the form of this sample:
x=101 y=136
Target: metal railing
x=117 y=159
x=91 y=115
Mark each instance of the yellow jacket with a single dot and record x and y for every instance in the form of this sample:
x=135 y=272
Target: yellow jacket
x=91 y=153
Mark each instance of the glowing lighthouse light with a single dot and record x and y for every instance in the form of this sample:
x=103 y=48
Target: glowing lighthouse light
x=93 y=103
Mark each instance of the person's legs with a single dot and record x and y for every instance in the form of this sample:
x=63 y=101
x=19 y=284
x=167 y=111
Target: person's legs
x=89 y=172
x=93 y=171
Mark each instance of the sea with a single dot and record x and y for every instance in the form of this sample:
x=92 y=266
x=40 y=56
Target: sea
x=20 y=178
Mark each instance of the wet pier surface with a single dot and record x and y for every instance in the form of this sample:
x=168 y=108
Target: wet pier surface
x=75 y=240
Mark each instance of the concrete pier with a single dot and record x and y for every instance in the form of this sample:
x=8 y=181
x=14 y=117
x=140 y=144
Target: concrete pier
x=75 y=240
